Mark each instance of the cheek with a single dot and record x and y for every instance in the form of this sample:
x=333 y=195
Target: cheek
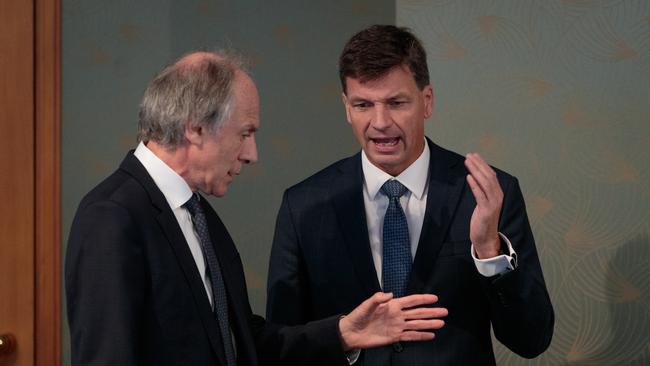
x=231 y=152
x=359 y=127
x=360 y=134
x=413 y=125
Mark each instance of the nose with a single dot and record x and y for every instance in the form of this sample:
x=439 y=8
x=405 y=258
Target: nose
x=381 y=119
x=249 y=151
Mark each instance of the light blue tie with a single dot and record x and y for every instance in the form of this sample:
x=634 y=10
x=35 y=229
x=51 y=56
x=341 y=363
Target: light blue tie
x=220 y=299
x=396 y=262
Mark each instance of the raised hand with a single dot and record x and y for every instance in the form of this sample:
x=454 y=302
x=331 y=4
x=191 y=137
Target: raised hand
x=382 y=320
x=483 y=227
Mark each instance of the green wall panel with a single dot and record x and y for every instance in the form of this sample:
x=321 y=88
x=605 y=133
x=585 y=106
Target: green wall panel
x=557 y=93
x=112 y=49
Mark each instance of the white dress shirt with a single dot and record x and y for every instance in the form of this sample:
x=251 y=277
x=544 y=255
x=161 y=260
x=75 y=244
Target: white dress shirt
x=176 y=192
x=414 y=204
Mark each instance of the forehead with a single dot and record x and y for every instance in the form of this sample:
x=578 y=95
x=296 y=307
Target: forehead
x=397 y=80
x=246 y=101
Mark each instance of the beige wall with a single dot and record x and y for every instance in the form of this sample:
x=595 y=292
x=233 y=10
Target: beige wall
x=557 y=93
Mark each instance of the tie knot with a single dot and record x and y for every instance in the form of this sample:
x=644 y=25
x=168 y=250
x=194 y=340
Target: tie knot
x=393 y=189
x=193 y=204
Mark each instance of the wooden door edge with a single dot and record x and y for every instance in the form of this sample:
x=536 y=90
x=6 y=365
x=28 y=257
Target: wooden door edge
x=47 y=210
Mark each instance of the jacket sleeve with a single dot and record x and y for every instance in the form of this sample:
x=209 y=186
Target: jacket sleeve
x=300 y=342
x=105 y=286
x=312 y=343
x=288 y=300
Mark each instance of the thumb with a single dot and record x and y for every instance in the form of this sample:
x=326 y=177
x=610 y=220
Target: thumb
x=375 y=301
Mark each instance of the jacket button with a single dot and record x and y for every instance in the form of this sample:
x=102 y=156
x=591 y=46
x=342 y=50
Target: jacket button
x=397 y=347
x=502 y=299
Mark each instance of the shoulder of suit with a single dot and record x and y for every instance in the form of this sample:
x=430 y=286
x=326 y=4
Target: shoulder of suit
x=118 y=187
x=439 y=153
x=326 y=176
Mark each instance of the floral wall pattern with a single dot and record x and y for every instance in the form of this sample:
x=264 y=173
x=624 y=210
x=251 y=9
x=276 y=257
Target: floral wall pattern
x=557 y=92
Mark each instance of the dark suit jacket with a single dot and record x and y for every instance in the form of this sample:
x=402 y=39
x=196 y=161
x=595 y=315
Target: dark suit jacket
x=135 y=297
x=321 y=265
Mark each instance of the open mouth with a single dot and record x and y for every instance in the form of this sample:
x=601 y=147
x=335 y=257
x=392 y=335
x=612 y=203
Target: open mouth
x=386 y=141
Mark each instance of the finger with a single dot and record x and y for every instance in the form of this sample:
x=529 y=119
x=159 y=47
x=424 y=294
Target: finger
x=477 y=191
x=486 y=170
x=382 y=297
x=476 y=166
x=486 y=179
x=416 y=336
x=425 y=313
x=372 y=304
x=480 y=180
x=379 y=298
x=482 y=165
x=477 y=173
x=416 y=300
x=424 y=324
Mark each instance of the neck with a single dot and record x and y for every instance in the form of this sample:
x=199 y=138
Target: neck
x=176 y=158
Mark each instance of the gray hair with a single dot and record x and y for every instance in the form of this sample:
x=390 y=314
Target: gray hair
x=197 y=93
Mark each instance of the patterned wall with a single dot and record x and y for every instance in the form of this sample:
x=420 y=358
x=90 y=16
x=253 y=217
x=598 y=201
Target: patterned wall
x=557 y=93
x=112 y=49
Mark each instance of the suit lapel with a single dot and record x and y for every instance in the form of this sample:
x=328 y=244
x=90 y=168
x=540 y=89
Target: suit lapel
x=176 y=240
x=238 y=306
x=446 y=182
x=347 y=197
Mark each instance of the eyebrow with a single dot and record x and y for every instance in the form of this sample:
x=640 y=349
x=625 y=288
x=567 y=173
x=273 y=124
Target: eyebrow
x=392 y=97
x=248 y=126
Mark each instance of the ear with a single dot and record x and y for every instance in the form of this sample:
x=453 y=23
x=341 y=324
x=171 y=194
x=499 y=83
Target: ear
x=427 y=93
x=346 y=104
x=194 y=134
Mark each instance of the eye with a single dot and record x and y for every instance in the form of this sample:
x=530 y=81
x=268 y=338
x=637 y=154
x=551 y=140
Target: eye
x=396 y=103
x=363 y=105
x=247 y=134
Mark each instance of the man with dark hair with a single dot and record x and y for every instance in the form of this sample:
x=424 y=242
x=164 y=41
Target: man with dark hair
x=152 y=275
x=407 y=216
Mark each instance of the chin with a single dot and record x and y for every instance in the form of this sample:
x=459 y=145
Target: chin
x=221 y=190
x=386 y=160
x=219 y=193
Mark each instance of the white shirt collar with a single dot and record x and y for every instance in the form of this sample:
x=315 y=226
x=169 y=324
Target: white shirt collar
x=172 y=185
x=414 y=177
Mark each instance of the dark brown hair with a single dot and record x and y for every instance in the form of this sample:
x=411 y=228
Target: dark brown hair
x=371 y=53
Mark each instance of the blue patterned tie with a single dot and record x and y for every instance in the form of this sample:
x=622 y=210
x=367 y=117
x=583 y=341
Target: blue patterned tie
x=396 y=265
x=219 y=296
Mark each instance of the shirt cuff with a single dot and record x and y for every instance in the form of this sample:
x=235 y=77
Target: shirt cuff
x=496 y=265
x=352 y=356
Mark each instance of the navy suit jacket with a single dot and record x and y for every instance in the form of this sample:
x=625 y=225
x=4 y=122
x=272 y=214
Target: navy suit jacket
x=321 y=265
x=135 y=296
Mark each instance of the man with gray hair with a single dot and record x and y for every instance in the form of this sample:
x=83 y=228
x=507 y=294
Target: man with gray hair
x=152 y=275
